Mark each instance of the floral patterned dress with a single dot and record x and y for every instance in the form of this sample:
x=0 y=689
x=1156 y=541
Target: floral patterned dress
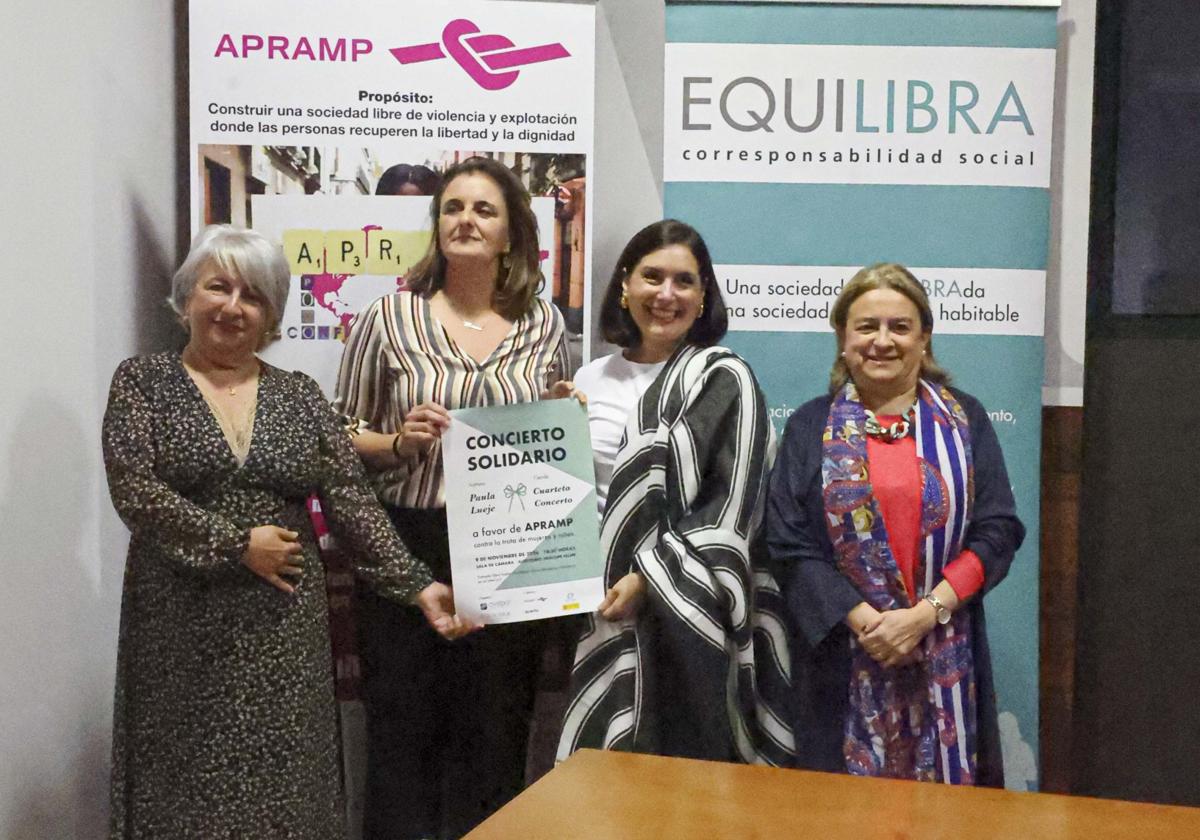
x=224 y=723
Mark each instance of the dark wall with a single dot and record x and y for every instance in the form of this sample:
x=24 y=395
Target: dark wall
x=1062 y=478
x=1137 y=719
x=1136 y=722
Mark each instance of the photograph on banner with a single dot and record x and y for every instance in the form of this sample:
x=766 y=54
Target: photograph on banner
x=351 y=226
x=524 y=537
x=329 y=135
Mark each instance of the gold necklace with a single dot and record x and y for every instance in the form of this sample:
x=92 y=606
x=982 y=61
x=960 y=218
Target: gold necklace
x=471 y=325
x=229 y=389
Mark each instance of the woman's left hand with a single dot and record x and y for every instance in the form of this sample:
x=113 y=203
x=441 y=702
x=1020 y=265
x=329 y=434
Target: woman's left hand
x=562 y=389
x=422 y=427
x=894 y=640
x=624 y=599
x=436 y=602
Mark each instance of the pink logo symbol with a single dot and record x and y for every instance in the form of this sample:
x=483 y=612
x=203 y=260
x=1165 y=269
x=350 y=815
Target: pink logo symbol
x=486 y=58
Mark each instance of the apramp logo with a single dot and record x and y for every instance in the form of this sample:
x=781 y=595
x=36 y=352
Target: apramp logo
x=492 y=61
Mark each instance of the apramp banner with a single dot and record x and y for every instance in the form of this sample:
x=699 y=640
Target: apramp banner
x=326 y=125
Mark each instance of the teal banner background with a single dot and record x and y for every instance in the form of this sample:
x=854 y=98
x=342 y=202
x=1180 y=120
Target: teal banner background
x=833 y=224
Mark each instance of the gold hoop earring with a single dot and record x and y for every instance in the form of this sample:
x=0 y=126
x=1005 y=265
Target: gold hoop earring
x=701 y=312
x=624 y=302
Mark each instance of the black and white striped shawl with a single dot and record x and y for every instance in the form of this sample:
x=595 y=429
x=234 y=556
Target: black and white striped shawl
x=685 y=504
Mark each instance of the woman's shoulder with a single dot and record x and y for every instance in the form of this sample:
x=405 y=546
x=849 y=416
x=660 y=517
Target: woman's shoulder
x=292 y=381
x=148 y=368
x=541 y=328
x=389 y=308
x=613 y=366
x=162 y=360
x=716 y=353
x=800 y=445
x=368 y=313
x=595 y=370
x=696 y=369
x=971 y=406
x=809 y=414
x=545 y=314
x=967 y=400
x=393 y=301
x=722 y=362
x=818 y=405
x=714 y=356
x=712 y=375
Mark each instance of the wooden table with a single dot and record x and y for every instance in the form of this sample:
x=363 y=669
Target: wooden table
x=598 y=795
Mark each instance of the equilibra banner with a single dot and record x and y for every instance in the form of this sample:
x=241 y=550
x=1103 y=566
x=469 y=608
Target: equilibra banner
x=808 y=140
x=326 y=125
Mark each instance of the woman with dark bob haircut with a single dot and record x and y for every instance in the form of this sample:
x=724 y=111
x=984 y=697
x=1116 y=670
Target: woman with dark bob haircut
x=618 y=326
x=891 y=517
x=447 y=723
x=686 y=655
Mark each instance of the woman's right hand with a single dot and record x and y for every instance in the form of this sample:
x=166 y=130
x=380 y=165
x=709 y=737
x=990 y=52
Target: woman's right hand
x=271 y=553
x=422 y=426
x=863 y=620
x=624 y=599
x=564 y=389
x=896 y=639
x=436 y=603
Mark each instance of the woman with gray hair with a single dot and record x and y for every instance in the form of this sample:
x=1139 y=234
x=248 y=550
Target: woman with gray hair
x=224 y=721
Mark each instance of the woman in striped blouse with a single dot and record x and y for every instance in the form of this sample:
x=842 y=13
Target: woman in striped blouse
x=447 y=723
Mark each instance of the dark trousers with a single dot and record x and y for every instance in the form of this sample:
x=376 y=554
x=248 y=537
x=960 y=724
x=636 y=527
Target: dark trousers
x=447 y=722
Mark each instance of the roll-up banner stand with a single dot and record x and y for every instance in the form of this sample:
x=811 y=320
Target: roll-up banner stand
x=805 y=141
x=324 y=124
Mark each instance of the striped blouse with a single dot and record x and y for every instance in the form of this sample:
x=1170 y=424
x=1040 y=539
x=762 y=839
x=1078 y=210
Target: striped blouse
x=398 y=355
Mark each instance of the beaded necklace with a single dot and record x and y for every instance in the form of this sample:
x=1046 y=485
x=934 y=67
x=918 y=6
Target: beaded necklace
x=893 y=431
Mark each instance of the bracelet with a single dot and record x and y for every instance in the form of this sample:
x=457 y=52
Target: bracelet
x=396 y=447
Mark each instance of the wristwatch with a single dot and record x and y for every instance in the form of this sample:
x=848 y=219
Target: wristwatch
x=943 y=614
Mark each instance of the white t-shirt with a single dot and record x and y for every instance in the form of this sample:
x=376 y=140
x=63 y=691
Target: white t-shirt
x=613 y=385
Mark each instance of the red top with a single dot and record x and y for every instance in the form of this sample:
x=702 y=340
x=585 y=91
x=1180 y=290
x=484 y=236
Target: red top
x=896 y=482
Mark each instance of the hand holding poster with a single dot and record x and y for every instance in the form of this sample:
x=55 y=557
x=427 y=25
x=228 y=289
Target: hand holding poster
x=520 y=504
